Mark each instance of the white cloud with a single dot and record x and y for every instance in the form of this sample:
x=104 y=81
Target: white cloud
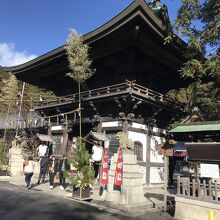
x=10 y=57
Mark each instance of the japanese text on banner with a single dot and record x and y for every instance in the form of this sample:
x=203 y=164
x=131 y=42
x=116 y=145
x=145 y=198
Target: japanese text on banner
x=104 y=177
x=119 y=168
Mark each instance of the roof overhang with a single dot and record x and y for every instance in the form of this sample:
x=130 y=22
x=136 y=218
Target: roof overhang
x=98 y=136
x=44 y=137
x=196 y=127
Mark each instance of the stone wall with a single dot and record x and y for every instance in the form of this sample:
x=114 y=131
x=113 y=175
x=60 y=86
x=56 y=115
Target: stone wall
x=190 y=209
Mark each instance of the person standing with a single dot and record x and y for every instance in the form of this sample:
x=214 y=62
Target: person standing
x=53 y=168
x=28 y=168
x=97 y=153
x=43 y=169
x=43 y=149
x=63 y=166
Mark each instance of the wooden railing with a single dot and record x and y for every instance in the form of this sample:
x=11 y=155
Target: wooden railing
x=100 y=92
x=112 y=91
x=201 y=190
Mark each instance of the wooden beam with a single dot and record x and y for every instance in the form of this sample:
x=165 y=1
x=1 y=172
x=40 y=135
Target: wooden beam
x=148 y=143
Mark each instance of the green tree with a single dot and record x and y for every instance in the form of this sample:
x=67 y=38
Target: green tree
x=198 y=22
x=32 y=94
x=2 y=152
x=79 y=64
x=9 y=94
x=3 y=75
x=81 y=161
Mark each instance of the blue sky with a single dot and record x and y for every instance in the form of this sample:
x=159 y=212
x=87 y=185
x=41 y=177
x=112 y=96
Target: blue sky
x=29 y=28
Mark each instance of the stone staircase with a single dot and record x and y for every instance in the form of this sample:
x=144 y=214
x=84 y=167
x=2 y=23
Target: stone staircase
x=16 y=161
x=16 y=164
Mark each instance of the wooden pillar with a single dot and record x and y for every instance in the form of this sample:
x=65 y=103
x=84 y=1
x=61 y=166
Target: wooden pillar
x=125 y=127
x=64 y=140
x=49 y=130
x=166 y=176
x=148 y=143
x=99 y=126
x=196 y=169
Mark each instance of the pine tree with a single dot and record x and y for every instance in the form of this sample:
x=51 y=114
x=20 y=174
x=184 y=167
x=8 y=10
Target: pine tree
x=81 y=161
x=198 y=22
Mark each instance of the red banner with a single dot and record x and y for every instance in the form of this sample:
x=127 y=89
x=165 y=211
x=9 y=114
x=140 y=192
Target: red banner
x=119 y=168
x=104 y=177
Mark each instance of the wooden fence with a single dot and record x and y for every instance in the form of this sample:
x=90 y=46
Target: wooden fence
x=201 y=190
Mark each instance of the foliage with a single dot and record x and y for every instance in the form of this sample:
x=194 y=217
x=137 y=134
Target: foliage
x=35 y=93
x=2 y=151
x=81 y=161
x=202 y=95
x=10 y=93
x=79 y=62
x=198 y=21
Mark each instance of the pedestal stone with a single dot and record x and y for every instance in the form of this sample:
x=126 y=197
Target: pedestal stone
x=130 y=194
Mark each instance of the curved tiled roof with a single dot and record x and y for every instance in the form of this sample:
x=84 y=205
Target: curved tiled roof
x=136 y=8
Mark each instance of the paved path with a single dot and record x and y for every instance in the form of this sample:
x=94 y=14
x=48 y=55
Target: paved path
x=20 y=204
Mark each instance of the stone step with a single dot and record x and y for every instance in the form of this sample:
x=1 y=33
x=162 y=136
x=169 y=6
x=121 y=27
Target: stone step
x=157 y=203
x=15 y=150
x=17 y=160
x=14 y=157
x=5 y=178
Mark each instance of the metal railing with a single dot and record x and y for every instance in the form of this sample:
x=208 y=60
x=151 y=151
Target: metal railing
x=202 y=190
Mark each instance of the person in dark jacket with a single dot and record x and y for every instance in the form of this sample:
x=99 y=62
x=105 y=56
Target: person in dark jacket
x=43 y=169
x=63 y=166
x=52 y=169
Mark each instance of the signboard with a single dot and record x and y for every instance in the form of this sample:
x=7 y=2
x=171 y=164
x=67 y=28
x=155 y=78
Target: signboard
x=119 y=168
x=209 y=170
x=204 y=152
x=104 y=177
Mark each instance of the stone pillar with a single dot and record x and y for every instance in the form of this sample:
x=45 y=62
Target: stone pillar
x=131 y=194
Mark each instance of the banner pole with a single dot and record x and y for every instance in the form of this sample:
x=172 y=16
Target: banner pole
x=107 y=188
x=122 y=155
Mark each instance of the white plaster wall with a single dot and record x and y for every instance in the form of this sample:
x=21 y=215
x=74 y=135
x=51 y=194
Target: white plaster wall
x=154 y=157
x=140 y=126
x=159 y=130
x=57 y=128
x=111 y=124
x=136 y=136
x=156 y=175
x=142 y=170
